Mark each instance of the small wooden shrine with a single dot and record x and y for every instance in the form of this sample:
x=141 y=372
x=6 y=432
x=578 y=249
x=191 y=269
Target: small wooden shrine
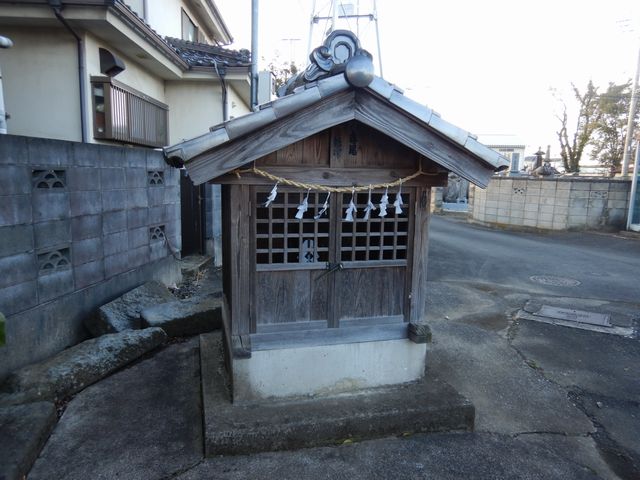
x=326 y=198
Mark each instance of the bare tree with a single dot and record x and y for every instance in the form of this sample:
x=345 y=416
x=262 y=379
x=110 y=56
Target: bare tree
x=572 y=145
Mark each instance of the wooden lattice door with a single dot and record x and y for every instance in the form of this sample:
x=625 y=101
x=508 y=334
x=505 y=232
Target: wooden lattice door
x=322 y=271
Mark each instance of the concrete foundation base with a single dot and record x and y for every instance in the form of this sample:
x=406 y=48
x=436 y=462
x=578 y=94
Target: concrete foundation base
x=428 y=405
x=326 y=369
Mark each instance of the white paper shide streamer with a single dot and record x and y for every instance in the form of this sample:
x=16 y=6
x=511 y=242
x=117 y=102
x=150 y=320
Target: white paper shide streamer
x=324 y=208
x=398 y=201
x=384 y=201
x=272 y=195
x=370 y=207
x=303 y=207
x=351 y=209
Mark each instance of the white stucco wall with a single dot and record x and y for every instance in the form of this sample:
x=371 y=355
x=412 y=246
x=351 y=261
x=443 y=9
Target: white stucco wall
x=193 y=107
x=165 y=17
x=237 y=106
x=40 y=81
x=133 y=76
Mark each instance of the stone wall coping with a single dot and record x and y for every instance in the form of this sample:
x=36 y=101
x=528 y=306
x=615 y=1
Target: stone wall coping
x=564 y=179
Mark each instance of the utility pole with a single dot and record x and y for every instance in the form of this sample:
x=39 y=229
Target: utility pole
x=254 y=54
x=632 y=114
x=633 y=222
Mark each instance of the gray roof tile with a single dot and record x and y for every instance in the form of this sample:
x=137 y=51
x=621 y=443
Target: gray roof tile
x=304 y=97
x=203 y=55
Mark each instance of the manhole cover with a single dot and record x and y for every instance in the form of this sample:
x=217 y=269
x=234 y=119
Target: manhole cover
x=555 y=281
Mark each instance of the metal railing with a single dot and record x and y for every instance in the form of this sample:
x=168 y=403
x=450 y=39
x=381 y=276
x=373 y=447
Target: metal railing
x=126 y=115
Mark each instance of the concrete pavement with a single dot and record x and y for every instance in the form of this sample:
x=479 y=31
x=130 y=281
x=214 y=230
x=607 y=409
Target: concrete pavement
x=551 y=402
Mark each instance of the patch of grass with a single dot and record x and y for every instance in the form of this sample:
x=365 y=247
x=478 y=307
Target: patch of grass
x=533 y=364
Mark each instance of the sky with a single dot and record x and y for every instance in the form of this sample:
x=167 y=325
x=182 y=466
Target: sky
x=490 y=67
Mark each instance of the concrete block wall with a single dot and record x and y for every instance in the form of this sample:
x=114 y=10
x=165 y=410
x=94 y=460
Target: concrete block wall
x=79 y=225
x=564 y=203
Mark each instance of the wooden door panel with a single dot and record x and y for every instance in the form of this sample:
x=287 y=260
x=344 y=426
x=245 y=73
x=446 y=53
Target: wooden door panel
x=291 y=296
x=370 y=292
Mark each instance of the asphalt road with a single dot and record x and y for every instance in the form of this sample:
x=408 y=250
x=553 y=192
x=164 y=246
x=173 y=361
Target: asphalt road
x=551 y=402
x=606 y=265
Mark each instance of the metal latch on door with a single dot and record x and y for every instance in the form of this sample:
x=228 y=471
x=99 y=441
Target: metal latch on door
x=331 y=267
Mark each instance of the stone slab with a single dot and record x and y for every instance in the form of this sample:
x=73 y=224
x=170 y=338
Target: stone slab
x=185 y=318
x=143 y=422
x=81 y=365
x=23 y=431
x=123 y=313
x=428 y=406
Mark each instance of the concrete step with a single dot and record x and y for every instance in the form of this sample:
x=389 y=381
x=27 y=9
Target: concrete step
x=79 y=366
x=24 y=429
x=426 y=406
x=186 y=317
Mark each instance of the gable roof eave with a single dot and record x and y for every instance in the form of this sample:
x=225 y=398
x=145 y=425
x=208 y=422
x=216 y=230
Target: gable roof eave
x=182 y=153
x=231 y=154
x=423 y=131
x=433 y=119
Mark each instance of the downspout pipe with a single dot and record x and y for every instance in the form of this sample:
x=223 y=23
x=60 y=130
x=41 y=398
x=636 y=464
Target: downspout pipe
x=215 y=191
x=223 y=87
x=56 y=6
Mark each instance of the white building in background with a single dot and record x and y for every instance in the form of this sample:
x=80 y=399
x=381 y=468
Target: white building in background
x=509 y=146
x=147 y=73
x=141 y=72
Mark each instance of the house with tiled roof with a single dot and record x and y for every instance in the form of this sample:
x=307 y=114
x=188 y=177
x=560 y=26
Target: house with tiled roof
x=134 y=72
x=143 y=73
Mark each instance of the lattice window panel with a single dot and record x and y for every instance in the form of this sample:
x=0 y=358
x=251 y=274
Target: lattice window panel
x=48 y=179
x=157 y=233
x=155 y=177
x=54 y=260
x=283 y=239
x=378 y=238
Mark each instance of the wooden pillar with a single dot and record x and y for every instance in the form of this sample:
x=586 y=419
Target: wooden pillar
x=239 y=265
x=419 y=331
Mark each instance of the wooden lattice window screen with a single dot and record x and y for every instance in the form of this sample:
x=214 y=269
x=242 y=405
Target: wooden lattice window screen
x=378 y=238
x=283 y=239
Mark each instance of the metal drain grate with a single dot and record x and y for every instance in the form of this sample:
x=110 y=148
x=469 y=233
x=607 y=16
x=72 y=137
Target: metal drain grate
x=554 y=281
x=569 y=314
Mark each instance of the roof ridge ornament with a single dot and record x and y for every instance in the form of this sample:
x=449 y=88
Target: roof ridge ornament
x=340 y=53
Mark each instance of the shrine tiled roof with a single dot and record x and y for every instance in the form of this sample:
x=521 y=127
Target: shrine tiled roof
x=313 y=89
